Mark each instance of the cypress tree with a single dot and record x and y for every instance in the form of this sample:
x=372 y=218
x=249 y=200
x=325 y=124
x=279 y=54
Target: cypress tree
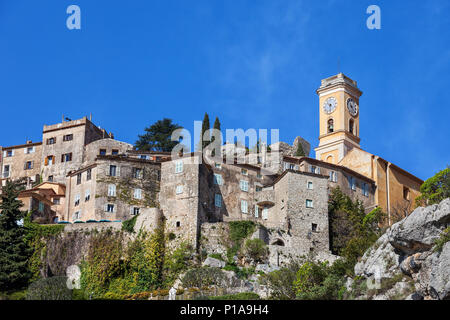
x=14 y=252
x=300 y=152
x=217 y=127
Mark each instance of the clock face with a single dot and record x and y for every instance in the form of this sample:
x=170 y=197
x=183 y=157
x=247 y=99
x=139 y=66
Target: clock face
x=352 y=107
x=329 y=105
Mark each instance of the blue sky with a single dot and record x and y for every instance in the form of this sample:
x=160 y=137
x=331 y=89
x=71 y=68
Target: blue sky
x=254 y=64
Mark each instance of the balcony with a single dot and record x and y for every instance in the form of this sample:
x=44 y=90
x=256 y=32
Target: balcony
x=265 y=197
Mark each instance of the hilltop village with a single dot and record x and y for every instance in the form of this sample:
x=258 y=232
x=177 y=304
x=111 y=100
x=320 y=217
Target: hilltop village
x=80 y=174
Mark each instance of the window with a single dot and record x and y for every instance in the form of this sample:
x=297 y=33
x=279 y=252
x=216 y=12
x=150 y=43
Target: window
x=112 y=170
x=258 y=188
x=330 y=126
x=218 y=200
x=9 y=153
x=218 y=165
x=109 y=208
x=28 y=165
x=178 y=224
x=179 y=189
x=6 y=171
x=351 y=183
x=137 y=193
x=333 y=176
x=51 y=140
x=41 y=207
x=68 y=137
x=217 y=179
x=351 y=124
x=114 y=152
x=405 y=193
x=56 y=201
x=143 y=156
x=314 y=227
x=265 y=213
x=112 y=190
x=178 y=166
x=309 y=185
x=244 y=172
x=87 y=195
x=256 y=211
x=365 y=189
x=259 y=176
x=244 y=206
x=78 y=178
x=88 y=174
x=77 y=200
x=66 y=157
x=49 y=160
x=309 y=203
x=29 y=150
x=244 y=185
x=50 y=179
x=102 y=152
x=314 y=169
x=135 y=211
x=137 y=173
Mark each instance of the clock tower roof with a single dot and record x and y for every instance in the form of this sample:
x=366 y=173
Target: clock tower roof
x=337 y=81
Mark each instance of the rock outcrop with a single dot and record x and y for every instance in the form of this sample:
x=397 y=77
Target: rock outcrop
x=408 y=248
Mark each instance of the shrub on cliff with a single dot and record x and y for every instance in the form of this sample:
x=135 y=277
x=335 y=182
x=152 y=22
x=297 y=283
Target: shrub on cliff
x=435 y=189
x=203 y=277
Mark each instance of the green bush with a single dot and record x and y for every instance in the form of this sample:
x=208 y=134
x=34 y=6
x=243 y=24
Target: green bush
x=204 y=276
x=435 y=189
x=54 y=288
x=128 y=225
x=281 y=282
x=239 y=230
x=443 y=239
x=256 y=249
x=217 y=256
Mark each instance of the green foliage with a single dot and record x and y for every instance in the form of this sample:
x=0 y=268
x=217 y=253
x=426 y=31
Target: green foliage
x=239 y=230
x=36 y=238
x=237 y=296
x=300 y=152
x=317 y=281
x=145 y=260
x=176 y=263
x=53 y=288
x=203 y=277
x=128 y=225
x=157 y=137
x=256 y=249
x=281 y=282
x=14 y=251
x=435 y=189
x=102 y=264
x=443 y=239
x=352 y=231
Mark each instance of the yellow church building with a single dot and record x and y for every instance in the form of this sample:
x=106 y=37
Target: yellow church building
x=339 y=143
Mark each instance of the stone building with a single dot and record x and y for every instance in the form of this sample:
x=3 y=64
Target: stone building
x=22 y=162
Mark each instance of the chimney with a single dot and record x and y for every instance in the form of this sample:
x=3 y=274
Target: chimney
x=29 y=142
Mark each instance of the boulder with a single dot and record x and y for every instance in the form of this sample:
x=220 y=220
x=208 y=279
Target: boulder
x=212 y=262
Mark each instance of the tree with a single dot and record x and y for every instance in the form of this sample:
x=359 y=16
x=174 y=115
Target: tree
x=299 y=152
x=205 y=126
x=217 y=127
x=157 y=137
x=14 y=252
x=435 y=189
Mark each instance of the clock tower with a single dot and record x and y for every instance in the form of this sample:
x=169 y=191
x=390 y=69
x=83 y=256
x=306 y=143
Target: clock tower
x=339 y=118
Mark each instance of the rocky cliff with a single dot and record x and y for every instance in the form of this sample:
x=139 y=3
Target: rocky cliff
x=416 y=252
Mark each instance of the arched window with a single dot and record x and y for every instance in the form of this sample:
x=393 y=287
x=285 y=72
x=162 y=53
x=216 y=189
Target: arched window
x=330 y=126
x=278 y=242
x=351 y=124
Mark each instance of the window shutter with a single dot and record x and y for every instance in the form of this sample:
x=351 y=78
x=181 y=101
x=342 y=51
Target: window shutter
x=34 y=149
x=25 y=150
x=118 y=171
x=12 y=152
x=4 y=154
x=32 y=164
x=105 y=207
